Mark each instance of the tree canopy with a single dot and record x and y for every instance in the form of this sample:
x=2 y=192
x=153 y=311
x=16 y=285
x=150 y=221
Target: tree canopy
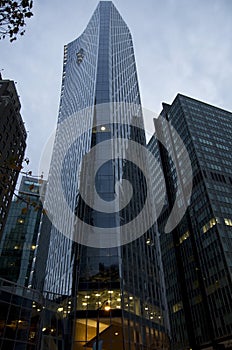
x=13 y=16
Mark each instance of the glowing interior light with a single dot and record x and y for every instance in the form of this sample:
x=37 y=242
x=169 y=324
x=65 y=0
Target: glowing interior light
x=107 y=307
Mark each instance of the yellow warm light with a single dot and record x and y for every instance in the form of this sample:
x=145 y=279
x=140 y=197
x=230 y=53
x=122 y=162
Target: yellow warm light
x=107 y=307
x=60 y=309
x=228 y=222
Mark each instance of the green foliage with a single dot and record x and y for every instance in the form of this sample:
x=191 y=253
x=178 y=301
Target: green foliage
x=13 y=15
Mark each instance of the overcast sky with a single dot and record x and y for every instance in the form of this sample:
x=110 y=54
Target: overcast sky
x=180 y=46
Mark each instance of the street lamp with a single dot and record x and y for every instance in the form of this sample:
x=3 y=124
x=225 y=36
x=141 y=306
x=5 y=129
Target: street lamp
x=107 y=308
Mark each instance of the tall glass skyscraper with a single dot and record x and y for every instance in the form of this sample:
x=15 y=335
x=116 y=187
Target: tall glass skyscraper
x=103 y=256
x=18 y=247
x=197 y=253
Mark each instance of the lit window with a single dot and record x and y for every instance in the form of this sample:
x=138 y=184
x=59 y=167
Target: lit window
x=228 y=222
x=184 y=237
x=177 y=307
x=212 y=222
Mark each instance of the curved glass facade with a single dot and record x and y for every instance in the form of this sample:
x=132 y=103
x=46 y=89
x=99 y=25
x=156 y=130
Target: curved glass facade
x=100 y=80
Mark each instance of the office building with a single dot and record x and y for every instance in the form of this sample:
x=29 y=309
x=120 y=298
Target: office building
x=100 y=105
x=29 y=320
x=12 y=145
x=18 y=248
x=197 y=251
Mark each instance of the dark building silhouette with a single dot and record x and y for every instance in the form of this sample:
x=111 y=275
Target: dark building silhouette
x=12 y=145
x=197 y=253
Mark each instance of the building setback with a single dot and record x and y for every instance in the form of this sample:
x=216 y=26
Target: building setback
x=197 y=253
x=12 y=145
x=99 y=67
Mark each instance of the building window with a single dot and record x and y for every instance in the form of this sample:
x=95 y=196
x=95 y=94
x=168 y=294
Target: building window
x=228 y=222
x=177 y=307
x=184 y=237
x=212 y=222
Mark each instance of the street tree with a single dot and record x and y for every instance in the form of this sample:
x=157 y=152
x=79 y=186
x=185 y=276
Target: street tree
x=13 y=16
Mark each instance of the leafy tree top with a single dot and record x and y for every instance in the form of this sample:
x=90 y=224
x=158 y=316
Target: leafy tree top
x=13 y=15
